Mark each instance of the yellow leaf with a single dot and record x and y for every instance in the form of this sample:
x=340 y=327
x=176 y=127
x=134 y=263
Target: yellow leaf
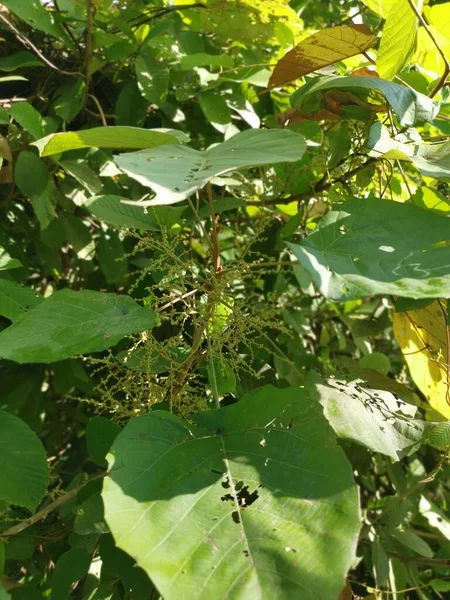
x=321 y=49
x=398 y=39
x=379 y=7
x=423 y=338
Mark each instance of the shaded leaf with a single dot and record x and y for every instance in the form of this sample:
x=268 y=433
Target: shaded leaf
x=16 y=299
x=23 y=464
x=234 y=502
x=202 y=59
x=410 y=106
x=69 y=323
x=20 y=60
x=70 y=567
x=365 y=248
x=320 y=50
x=112 y=210
x=215 y=108
x=423 y=337
x=37 y=16
x=152 y=78
x=100 y=434
x=178 y=171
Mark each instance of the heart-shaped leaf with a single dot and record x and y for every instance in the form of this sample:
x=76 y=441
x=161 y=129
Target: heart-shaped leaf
x=248 y=501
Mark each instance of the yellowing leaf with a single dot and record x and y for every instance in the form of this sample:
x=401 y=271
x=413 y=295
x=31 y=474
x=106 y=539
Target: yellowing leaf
x=423 y=338
x=379 y=7
x=427 y=55
x=397 y=40
x=321 y=49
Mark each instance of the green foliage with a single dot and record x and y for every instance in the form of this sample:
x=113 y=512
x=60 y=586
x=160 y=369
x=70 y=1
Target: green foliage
x=240 y=509
x=224 y=287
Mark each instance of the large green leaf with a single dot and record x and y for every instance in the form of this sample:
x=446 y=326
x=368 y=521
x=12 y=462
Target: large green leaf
x=372 y=418
x=432 y=160
x=152 y=78
x=69 y=323
x=37 y=16
x=375 y=246
x=16 y=299
x=410 y=106
x=112 y=210
x=397 y=39
x=176 y=172
x=249 y=501
x=23 y=464
x=20 y=60
x=104 y=137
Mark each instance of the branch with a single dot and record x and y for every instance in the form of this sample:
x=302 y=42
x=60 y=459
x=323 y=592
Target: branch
x=90 y=9
x=321 y=186
x=41 y=514
x=422 y=21
x=28 y=44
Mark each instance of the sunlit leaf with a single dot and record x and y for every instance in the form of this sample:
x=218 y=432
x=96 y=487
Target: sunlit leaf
x=176 y=172
x=423 y=336
x=372 y=418
x=432 y=160
x=103 y=137
x=364 y=247
x=397 y=39
x=233 y=501
x=321 y=49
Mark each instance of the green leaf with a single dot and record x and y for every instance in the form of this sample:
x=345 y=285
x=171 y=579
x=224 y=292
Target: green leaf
x=70 y=567
x=215 y=108
x=70 y=99
x=435 y=517
x=69 y=323
x=178 y=171
x=397 y=39
x=427 y=197
x=4 y=594
x=23 y=464
x=39 y=188
x=438 y=435
x=242 y=502
x=2 y=558
x=110 y=254
x=410 y=106
x=20 y=60
x=321 y=49
x=201 y=59
x=373 y=246
x=78 y=235
x=100 y=434
x=16 y=299
x=89 y=517
x=432 y=160
x=29 y=118
x=152 y=78
x=37 y=16
x=112 y=210
x=103 y=137
x=223 y=375
x=372 y=418
x=6 y=262
x=410 y=540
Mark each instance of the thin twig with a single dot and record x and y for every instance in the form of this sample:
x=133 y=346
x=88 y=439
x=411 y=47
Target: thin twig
x=425 y=25
x=89 y=52
x=214 y=236
x=28 y=44
x=41 y=514
x=213 y=373
x=99 y=108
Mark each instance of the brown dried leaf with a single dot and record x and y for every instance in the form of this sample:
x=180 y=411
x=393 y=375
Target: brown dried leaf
x=320 y=50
